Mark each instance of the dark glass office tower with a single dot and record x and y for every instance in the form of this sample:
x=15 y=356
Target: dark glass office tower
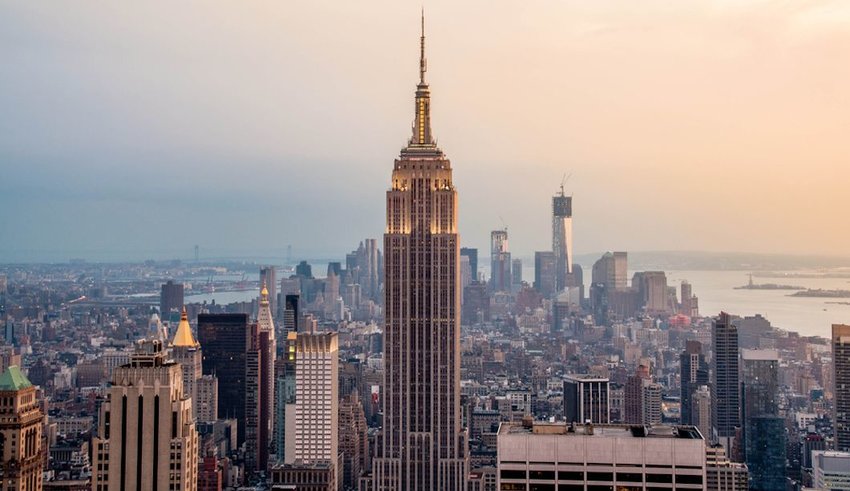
x=225 y=338
x=693 y=373
x=170 y=300
x=725 y=390
x=764 y=431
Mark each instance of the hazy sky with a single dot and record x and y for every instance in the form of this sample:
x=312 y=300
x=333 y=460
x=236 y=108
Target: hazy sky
x=143 y=128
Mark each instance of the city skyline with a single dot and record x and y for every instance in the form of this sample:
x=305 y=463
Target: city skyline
x=251 y=96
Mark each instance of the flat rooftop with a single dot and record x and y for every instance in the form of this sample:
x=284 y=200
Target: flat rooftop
x=602 y=430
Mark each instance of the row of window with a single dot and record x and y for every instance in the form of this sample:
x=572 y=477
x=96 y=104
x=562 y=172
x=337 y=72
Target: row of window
x=635 y=477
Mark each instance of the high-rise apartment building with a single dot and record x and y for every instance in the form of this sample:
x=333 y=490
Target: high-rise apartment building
x=725 y=386
x=186 y=351
x=423 y=445
x=170 y=299
x=20 y=433
x=225 y=339
x=146 y=436
x=721 y=474
x=586 y=399
x=500 y=261
x=693 y=374
x=562 y=237
x=841 y=362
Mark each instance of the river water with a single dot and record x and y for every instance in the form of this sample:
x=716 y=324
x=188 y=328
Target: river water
x=716 y=292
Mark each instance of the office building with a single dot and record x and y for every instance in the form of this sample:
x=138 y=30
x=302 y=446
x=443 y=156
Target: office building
x=544 y=273
x=500 y=261
x=353 y=440
x=764 y=430
x=725 y=386
x=611 y=270
x=423 y=444
x=206 y=401
x=260 y=388
x=20 y=433
x=225 y=340
x=721 y=474
x=316 y=397
x=700 y=409
x=291 y=312
x=539 y=456
x=472 y=254
x=269 y=281
x=586 y=399
x=652 y=291
x=831 y=470
x=186 y=351
x=170 y=300
x=841 y=362
x=313 y=433
x=693 y=373
x=146 y=436
x=562 y=237
x=516 y=273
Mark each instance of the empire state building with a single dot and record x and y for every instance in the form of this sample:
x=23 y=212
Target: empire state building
x=423 y=446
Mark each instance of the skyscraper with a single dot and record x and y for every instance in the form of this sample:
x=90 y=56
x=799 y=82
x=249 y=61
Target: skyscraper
x=472 y=254
x=424 y=447
x=262 y=387
x=841 y=361
x=544 y=273
x=725 y=389
x=20 y=433
x=312 y=446
x=562 y=237
x=170 y=299
x=764 y=429
x=500 y=261
x=146 y=436
x=693 y=374
x=187 y=353
x=267 y=279
x=225 y=340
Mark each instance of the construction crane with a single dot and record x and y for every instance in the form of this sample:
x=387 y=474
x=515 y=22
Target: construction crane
x=564 y=181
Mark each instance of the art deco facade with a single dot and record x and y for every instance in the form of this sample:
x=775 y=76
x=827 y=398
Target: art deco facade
x=423 y=446
x=146 y=434
x=20 y=433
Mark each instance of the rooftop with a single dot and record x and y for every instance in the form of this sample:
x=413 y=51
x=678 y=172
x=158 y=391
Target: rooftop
x=602 y=430
x=14 y=379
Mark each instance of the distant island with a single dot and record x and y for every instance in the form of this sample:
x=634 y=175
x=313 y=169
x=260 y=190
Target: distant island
x=768 y=286
x=822 y=293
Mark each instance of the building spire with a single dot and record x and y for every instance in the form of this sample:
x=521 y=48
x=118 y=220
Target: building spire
x=422 y=121
x=423 y=64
